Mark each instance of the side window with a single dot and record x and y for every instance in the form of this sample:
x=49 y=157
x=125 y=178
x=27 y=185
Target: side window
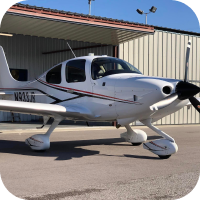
x=75 y=71
x=54 y=75
x=19 y=74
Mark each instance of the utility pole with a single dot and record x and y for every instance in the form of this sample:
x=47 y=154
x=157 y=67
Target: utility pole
x=89 y=2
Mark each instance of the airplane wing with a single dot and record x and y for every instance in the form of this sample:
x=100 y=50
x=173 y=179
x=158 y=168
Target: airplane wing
x=42 y=109
x=6 y=93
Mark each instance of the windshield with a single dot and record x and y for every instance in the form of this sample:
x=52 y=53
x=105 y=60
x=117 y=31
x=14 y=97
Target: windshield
x=106 y=66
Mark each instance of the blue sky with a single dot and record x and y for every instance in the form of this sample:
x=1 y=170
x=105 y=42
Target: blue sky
x=169 y=14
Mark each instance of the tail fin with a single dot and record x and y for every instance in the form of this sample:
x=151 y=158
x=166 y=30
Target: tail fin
x=6 y=79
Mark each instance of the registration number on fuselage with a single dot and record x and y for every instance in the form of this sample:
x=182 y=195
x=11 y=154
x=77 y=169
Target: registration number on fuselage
x=25 y=96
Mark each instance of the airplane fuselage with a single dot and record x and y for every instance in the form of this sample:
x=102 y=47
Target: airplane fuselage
x=116 y=96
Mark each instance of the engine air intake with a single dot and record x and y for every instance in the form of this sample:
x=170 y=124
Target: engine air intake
x=166 y=90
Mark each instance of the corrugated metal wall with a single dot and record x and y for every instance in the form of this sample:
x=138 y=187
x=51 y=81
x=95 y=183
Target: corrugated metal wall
x=163 y=55
x=25 y=52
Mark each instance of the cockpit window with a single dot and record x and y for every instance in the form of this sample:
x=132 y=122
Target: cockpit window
x=106 y=66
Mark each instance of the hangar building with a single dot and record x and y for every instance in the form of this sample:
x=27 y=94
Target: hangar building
x=40 y=37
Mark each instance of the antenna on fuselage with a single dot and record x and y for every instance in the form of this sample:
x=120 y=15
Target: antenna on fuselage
x=71 y=50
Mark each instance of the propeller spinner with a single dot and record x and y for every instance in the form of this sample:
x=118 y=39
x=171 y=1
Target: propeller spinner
x=184 y=90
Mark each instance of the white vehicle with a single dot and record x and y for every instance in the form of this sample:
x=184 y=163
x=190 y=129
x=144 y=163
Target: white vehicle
x=99 y=88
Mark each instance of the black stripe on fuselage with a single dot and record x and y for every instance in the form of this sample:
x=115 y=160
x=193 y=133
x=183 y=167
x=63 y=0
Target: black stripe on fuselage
x=52 y=97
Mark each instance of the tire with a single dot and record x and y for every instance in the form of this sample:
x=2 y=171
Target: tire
x=165 y=157
x=136 y=144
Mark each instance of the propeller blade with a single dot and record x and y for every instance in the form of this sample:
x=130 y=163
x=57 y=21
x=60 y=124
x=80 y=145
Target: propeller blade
x=187 y=60
x=195 y=103
x=186 y=90
x=164 y=103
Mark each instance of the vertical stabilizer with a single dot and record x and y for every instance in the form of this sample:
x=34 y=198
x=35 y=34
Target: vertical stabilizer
x=6 y=79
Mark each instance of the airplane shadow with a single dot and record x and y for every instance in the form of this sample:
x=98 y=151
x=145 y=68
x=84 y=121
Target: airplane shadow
x=64 y=150
x=142 y=157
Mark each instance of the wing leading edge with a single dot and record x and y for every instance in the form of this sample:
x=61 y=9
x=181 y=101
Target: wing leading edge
x=42 y=109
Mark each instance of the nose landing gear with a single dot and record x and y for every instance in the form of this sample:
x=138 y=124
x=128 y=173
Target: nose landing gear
x=165 y=147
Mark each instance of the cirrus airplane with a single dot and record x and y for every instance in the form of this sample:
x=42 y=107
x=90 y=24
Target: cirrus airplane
x=99 y=88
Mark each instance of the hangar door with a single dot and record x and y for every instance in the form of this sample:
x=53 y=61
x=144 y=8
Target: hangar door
x=27 y=53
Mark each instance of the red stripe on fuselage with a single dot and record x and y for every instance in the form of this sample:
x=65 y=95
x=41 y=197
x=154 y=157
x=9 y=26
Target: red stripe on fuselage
x=87 y=92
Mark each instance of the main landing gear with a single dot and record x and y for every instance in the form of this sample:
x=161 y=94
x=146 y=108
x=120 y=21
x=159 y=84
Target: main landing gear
x=41 y=141
x=164 y=148
x=136 y=137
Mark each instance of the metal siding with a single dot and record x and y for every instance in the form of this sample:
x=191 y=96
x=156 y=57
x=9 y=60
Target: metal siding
x=126 y=44
x=25 y=52
x=141 y=54
x=169 y=66
x=130 y=52
x=146 y=55
x=190 y=77
x=173 y=67
x=194 y=76
x=160 y=55
x=186 y=111
x=159 y=60
x=121 y=51
x=150 y=58
x=181 y=71
x=163 y=54
x=155 y=54
x=198 y=73
x=177 y=70
x=135 y=53
x=164 y=62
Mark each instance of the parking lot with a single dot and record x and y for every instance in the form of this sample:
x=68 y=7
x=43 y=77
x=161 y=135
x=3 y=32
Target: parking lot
x=95 y=163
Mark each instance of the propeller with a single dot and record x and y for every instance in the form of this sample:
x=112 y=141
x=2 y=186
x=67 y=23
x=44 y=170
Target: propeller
x=184 y=90
x=195 y=103
x=187 y=61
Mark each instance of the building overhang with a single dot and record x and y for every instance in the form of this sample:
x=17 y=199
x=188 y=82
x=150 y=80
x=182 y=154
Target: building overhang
x=49 y=24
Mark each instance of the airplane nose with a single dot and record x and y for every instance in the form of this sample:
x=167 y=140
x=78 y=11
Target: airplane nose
x=186 y=90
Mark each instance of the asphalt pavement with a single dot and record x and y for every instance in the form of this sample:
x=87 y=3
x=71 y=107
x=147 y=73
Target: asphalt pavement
x=95 y=163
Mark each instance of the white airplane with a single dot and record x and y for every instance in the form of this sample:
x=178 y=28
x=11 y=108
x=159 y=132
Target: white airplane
x=99 y=88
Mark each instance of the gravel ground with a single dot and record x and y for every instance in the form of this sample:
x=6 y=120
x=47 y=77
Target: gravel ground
x=164 y=187
x=94 y=163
